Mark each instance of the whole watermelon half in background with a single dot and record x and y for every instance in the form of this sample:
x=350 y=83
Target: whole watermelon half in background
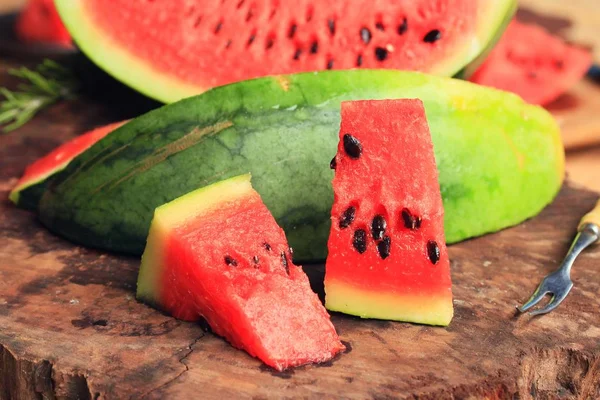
x=534 y=64
x=173 y=49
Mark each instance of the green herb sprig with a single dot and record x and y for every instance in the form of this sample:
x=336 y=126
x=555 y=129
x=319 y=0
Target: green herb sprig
x=47 y=84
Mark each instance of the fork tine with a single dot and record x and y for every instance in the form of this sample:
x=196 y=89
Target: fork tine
x=535 y=298
x=553 y=303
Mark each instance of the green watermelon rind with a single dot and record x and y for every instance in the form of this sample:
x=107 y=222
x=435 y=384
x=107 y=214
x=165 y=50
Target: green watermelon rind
x=500 y=160
x=137 y=73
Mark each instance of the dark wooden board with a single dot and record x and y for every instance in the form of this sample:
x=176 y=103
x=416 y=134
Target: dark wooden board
x=70 y=326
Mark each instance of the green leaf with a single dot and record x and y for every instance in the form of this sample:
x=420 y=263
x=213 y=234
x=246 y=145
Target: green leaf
x=47 y=84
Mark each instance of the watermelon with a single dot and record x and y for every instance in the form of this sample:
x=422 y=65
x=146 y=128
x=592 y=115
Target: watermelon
x=217 y=253
x=500 y=160
x=173 y=49
x=28 y=190
x=39 y=22
x=387 y=252
x=534 y=64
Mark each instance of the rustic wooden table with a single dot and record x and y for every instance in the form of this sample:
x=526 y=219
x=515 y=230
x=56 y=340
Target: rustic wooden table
x=70 y=326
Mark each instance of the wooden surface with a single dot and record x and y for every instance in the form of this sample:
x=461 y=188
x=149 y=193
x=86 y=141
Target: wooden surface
x=70 y=326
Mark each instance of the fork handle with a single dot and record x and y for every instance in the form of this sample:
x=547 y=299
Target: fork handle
x=593 y=217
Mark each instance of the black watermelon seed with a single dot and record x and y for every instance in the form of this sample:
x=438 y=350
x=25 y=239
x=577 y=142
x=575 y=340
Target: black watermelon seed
x=347 y=217
x=292 y=30
x=359 y=60
x=383 y=247
x=269 y=43
x=267 y=246
x=559 y=64
x=411 y=221
x=403 y=27
x=331 y=26
x=218 y=27
x=230 y=261
x=432 y=36
x=433 y=252
x=380 y=26
x=284 y=261
x=297 y=54
x=352 y=146
x=365 y=35
x=251 y=39
x=360 y=240
x=378 y=226
x=256 y=260
x=381 y=53
x=329 y=64
x=228 y=44
x=314 y=47
x=333 y=163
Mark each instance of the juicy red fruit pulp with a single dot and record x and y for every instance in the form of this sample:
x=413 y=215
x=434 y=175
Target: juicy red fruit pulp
x=223 y=41
x=387 y=253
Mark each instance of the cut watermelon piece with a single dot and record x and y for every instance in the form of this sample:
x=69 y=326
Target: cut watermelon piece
x=387 y=254
x=39 y=22
x=218 y=253
x=534 y=64
x=175 y=49
x=28 y=190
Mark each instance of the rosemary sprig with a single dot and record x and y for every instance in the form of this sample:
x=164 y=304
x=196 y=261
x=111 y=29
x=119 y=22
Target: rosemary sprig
x=42 y=87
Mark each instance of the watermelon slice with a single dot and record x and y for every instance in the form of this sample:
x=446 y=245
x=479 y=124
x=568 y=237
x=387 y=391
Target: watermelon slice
x=174 y=49
x=218 y=253
x=387 y=254
x=534 y=64
x=39 y=22
x=28 y=190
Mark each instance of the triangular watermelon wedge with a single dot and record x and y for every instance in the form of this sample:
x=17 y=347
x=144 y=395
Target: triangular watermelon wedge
x=173 y=49
x=387 y=253
x=218 y=253
x=534 y=64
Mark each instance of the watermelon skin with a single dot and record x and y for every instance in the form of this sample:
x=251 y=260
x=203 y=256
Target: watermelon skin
x=500 y=160
x=30 y=187
x=257 y=299
x=221 y=42
x=392 y=188
x=39 y=22
x=540 y=73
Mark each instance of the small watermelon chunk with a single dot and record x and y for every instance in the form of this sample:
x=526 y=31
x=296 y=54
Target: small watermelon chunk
x=534 y=64
x=39 y=22
x=28 y=190
x=387 y=254
x=218 y=253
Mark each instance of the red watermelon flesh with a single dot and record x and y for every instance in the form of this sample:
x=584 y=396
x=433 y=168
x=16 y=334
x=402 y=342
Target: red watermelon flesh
x=39 y=22
x=218 y=253
x=215 y=42
x=534 y=64
x=57 y=160
x=387 y=254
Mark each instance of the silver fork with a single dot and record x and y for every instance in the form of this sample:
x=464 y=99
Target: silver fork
x=558 y=283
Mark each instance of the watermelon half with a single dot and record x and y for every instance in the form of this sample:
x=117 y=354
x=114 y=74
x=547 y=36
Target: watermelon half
x=534 y=64
x=218 y=253
x=173 y=49
x=28 y=190
x=387 y=253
